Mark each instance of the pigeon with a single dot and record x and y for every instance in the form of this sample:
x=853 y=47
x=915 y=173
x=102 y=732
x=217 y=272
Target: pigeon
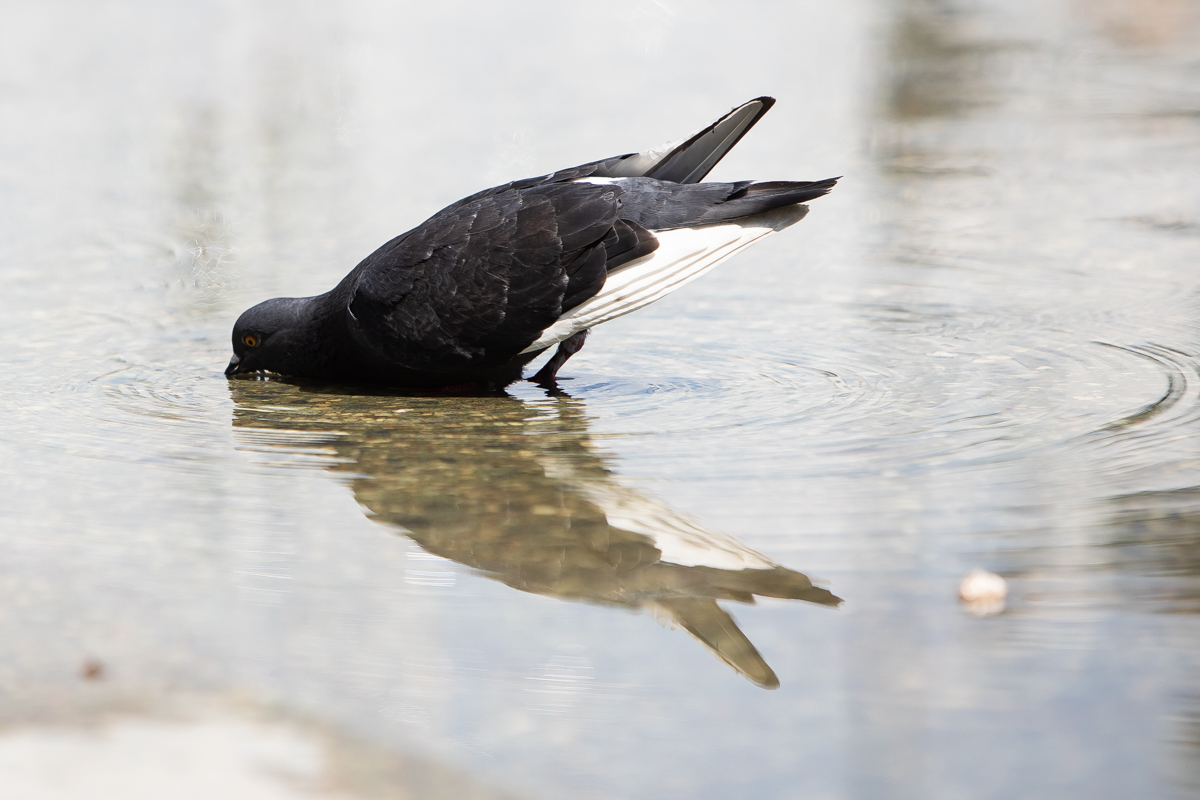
x=470 y=296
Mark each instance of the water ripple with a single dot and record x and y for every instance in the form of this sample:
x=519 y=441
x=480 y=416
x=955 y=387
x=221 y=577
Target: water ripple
x=910 y=404
x=847 y=409
x=171 y=413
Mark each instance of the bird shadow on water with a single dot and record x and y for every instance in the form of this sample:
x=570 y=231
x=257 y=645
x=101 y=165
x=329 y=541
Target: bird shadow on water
x=518 y=492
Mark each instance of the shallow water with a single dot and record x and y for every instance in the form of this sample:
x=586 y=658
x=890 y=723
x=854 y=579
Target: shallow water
x=980 y=350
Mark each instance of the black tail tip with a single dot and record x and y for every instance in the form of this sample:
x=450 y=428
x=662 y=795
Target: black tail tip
x=821 y=188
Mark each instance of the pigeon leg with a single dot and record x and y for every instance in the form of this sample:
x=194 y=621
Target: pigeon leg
x=566 y=348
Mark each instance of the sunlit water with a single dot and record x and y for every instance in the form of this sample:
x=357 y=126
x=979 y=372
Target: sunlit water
x=980 y=350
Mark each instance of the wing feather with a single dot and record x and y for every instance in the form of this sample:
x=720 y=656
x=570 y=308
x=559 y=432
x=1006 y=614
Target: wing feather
x=480 y=280
x=683 y=255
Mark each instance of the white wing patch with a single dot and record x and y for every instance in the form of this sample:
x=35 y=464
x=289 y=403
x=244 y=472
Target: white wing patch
x=681 y=539
x=682 y=256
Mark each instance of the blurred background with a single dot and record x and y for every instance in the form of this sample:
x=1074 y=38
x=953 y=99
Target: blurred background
x=981 y=350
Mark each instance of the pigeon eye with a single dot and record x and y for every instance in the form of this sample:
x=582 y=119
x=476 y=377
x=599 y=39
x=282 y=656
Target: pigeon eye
x=250 y=340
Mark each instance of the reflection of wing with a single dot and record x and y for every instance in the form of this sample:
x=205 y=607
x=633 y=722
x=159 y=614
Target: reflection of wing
x=517 y=492
x=680 y=539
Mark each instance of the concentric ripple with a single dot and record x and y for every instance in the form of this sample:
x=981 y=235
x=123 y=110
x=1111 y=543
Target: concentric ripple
x=169 y=410
x=885 y=400
x=889 y=392
x=1163 y=429
x=723 y=392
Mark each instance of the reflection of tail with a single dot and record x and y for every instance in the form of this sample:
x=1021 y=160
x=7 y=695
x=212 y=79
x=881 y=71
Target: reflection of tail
x=695 y=567
x=716 y=630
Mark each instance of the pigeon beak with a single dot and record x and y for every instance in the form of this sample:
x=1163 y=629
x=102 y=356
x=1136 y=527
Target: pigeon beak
x=232 y=369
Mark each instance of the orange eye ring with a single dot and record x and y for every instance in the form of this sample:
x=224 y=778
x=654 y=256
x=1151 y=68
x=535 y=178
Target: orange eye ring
x=250 y=340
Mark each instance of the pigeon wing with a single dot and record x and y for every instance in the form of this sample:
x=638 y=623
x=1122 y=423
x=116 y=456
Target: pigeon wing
x=480 y=280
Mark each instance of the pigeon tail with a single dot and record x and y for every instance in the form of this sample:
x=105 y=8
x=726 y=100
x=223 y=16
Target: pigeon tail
x=693 y=158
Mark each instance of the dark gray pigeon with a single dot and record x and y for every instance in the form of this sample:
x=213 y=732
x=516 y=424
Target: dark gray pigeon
x=466 y=299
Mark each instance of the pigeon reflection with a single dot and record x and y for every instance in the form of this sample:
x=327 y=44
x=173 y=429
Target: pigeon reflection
x=518 y=492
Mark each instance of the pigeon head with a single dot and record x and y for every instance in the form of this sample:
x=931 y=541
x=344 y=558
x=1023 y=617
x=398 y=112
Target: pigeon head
x=271 y=337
